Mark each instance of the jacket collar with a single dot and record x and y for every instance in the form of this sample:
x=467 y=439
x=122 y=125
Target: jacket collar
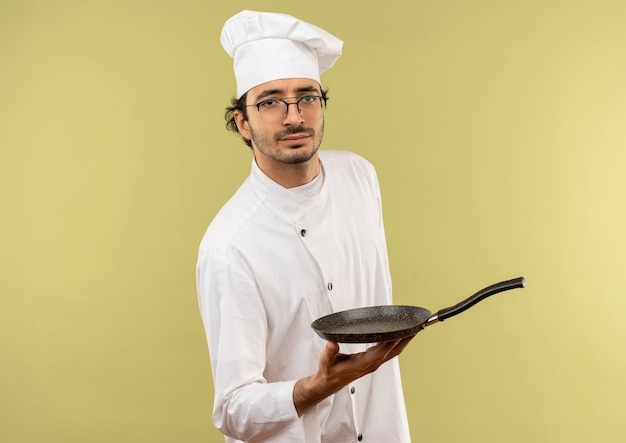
x=289 y=201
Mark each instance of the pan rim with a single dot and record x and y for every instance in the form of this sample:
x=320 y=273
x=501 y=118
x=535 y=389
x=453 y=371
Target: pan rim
x=405 y=320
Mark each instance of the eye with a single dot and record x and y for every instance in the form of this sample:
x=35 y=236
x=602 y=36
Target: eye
x=307 y=99
x=269 y=103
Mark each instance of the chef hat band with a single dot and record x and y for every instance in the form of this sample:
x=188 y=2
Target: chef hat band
x=270 y=46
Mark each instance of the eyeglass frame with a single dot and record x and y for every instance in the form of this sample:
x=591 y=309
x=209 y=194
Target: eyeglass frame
x=323 y=100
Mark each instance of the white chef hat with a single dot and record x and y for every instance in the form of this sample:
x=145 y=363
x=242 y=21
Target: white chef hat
x=269 y=46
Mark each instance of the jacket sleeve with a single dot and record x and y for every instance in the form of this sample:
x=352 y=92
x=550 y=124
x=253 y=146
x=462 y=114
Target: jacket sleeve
x=246 y=406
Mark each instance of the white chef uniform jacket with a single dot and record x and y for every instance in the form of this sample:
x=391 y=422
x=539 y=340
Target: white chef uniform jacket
x=270 y=263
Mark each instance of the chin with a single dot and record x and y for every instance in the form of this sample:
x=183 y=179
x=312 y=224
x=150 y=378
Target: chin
x=298 y=154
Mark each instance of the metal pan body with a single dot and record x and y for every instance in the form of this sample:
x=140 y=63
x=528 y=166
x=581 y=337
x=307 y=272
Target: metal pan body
x=371 y=324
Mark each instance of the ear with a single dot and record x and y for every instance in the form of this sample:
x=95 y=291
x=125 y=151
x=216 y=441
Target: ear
x=242 y=125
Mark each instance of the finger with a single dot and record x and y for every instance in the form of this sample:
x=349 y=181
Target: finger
x=376 y=355
x=332 y=347
x=329 y=354
x=385 y=346
x=399 y=346
x=387 y=350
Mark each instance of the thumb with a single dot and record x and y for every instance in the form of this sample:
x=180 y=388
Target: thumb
x=329 y=354
x=332 y=347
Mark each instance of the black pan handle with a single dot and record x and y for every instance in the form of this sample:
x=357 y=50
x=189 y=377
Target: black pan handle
x=445 y=313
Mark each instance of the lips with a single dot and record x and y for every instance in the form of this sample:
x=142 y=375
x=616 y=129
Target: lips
x=295 y=139
x=294 y=136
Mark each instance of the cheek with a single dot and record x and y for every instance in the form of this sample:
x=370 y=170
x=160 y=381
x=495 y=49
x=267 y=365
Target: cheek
x=260 y=136
x=320 y=131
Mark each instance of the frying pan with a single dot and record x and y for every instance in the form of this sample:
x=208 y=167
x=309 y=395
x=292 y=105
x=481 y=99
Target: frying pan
x=375 y=324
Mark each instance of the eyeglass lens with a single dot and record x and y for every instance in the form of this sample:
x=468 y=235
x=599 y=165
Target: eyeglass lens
x=275 y=110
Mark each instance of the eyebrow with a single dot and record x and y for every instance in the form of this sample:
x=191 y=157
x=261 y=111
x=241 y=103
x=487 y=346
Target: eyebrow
x=269 y=92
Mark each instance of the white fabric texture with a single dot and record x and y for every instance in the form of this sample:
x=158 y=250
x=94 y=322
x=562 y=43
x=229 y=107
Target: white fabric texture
x=269 y=46
x=270 y=263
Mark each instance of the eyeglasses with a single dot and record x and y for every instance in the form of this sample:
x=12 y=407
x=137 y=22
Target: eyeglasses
x=274 y=110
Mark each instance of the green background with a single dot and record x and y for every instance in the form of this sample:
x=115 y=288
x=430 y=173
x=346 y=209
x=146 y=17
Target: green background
x=498 y=131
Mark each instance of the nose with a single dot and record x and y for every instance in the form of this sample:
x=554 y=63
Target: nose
x=293 y=115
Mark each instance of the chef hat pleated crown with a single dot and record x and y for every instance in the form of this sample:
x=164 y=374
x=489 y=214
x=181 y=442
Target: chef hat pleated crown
x=269 y=46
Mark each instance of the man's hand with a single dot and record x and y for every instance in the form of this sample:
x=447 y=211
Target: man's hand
x=336 y=370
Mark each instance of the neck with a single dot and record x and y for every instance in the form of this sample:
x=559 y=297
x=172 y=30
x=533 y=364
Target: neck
x=290 y=175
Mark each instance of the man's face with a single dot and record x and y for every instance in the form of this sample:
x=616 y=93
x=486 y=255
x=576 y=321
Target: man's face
x=295 y=137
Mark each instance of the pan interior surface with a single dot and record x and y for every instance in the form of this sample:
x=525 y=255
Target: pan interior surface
x=371 y=324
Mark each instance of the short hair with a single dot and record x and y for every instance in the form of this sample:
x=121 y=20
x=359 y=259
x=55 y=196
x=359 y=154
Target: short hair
x=237 y=104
